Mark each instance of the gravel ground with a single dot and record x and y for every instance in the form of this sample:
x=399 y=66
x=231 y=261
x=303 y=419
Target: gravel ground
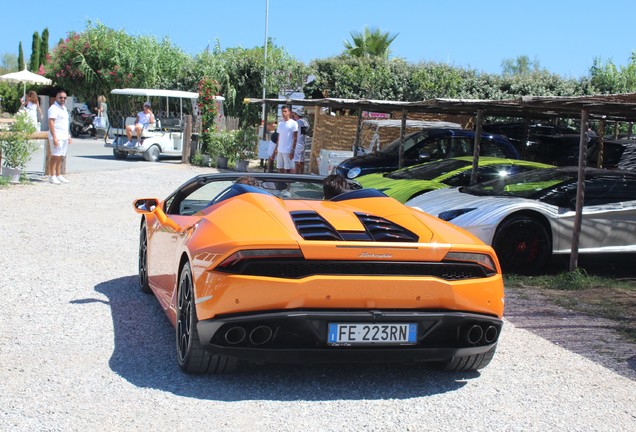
x=82 y=349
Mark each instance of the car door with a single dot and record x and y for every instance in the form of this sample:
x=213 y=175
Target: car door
x=608 y=219
x=166 y=243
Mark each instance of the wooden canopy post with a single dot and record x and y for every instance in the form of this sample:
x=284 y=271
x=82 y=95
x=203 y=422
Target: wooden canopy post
x=525 y=138
x=580 y=191
x=477 y=146
x=401 y=152
x=601 y=143
x=186 y=144
x=358 y=131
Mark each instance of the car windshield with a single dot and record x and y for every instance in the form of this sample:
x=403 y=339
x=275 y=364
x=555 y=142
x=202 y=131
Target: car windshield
x=409 y=141
x=530 y=184
x=429 y=171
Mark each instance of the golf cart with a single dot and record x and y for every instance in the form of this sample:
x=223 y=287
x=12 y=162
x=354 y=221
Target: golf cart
x=162 y=138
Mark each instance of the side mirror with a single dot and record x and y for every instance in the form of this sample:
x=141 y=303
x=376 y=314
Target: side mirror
x=153 y=206
x=423 y=156
x=145 y=205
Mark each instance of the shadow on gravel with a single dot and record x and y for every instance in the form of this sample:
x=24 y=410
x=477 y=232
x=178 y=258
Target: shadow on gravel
x=145 y=356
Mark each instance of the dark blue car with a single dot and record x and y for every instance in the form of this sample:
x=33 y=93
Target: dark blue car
x=424 y=146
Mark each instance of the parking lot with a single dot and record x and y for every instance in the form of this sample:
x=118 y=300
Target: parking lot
x=81 y=348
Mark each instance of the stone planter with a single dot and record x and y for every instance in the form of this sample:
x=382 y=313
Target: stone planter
x=221 y=162
x=13 y=174
x=242 y=165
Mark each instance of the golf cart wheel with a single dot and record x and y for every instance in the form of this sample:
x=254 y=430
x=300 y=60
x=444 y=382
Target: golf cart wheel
x=152 y=154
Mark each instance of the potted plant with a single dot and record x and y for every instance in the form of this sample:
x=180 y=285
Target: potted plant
x=219 y=147
x=16 y=147
x=245 y=147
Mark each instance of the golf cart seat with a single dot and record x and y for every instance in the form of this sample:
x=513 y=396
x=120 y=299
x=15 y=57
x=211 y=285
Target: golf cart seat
x=172 y=124
x=151 y=127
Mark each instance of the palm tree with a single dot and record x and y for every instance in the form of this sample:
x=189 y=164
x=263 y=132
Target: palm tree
x=369 y=43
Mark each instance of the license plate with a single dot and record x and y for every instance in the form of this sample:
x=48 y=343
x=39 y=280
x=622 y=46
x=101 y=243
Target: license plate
x=372 y=333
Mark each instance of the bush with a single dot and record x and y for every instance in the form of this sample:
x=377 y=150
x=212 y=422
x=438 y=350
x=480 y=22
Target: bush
x=15 y=144
x=218 y=144
x=245 y=144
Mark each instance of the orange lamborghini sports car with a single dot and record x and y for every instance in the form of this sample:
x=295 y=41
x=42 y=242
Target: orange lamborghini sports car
x=273 y=272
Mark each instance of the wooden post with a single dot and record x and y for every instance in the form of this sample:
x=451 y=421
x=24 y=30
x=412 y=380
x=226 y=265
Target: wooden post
x=580 y=192
x=358 y=131
x=315 y=148
x=186 y=144
x=616 y=130
x=525 y=138
x=477 y=146
x=401 y=151
x=601 y=143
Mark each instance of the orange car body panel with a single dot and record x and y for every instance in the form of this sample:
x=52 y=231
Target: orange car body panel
x=254 y=221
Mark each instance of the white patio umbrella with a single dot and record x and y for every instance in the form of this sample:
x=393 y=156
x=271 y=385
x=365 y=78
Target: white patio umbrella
x=25 y=77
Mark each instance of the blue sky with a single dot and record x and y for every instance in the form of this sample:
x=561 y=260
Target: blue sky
x=564 y=36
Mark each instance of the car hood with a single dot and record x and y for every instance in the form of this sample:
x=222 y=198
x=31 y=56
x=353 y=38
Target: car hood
x=487 y=211
x=400 y=189
x=376 y=162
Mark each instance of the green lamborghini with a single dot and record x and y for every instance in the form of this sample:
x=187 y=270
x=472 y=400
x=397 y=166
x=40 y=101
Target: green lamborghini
x=415 y=180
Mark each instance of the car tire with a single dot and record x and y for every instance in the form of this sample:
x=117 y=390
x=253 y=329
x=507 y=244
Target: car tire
x=192 y=357
x=143 y=259
x=120 y=154
x=471 y=362
x=152 y=154
x=522 y=245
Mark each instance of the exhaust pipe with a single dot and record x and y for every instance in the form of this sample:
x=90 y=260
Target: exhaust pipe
x=491 y=334
x=261 y=335
x=235 y=335
x=474 y=334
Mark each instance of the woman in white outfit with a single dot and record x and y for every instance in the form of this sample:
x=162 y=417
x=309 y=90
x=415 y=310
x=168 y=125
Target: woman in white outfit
x=32 y=107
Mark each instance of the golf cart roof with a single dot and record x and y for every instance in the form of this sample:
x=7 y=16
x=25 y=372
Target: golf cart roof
x=158 y=92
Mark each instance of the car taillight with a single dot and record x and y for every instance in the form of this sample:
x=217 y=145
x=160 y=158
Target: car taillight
x=241 y=255
x=477 y=258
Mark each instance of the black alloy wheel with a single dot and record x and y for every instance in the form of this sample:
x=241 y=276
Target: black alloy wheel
x=523 y=245
x=192 y=357
x=143 y=259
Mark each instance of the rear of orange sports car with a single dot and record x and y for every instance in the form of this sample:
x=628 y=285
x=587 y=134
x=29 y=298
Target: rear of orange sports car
x=363 y=278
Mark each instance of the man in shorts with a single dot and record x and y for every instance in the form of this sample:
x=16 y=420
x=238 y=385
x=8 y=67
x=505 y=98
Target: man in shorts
x=298 y=114
x=59 y=137
x=287 y=138
x=143 y=120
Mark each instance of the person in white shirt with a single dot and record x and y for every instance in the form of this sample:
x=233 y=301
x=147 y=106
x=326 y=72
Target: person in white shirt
x=298 y=115
x=59 y=137
x=287 y=138
x=144 y=118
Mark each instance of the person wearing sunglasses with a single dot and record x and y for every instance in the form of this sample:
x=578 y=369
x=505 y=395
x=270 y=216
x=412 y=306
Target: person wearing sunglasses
x=59 y=137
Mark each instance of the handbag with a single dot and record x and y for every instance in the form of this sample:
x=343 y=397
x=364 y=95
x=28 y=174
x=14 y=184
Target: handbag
x=99 y=122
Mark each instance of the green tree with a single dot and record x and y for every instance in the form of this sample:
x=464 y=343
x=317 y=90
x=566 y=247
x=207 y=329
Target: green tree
x=522 y=65
x=34 y=63
x=9 y=62
x=44 y=47
x=369 y=43
x=20 y=57
x=609 y=79
x=99 y=59
x=239 y=72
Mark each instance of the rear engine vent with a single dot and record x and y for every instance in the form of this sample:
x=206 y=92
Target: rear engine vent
x=311 y=226
x=384 y=230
